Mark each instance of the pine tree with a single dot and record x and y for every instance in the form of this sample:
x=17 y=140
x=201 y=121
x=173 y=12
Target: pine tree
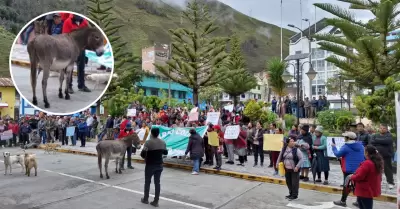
x=197 y=59
x=239 y=79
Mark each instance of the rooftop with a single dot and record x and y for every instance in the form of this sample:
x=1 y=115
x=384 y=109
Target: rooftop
x=6 y=82
x=315 y=28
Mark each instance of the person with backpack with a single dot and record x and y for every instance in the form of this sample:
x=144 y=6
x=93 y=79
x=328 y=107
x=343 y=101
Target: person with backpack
x=292 y=159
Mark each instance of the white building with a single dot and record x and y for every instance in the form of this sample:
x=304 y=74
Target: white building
x=299 y=44
x=260 y=92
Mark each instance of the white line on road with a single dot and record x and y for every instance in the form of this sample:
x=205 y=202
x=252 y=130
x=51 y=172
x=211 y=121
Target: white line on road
x=128 y=190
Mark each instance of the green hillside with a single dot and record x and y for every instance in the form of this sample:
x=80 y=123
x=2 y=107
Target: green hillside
x=6 y=39
x=148 y=21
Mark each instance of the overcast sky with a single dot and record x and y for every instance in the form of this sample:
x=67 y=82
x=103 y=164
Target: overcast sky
x=269 y=10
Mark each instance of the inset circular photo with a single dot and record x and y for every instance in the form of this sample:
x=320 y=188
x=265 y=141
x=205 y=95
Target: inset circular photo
x=61 y=62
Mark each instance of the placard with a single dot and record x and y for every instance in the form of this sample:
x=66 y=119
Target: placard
x=70 y=131
x=141 y=133
x=193 y=110
x=213 y=118
x=273 y=142
x=339 y=142
x=232 y=132
x=193 y=116
x=131 y=112
x=229 y=108
x=213 y=139
x=6 y=135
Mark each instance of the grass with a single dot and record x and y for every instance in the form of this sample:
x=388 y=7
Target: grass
x=6 y=39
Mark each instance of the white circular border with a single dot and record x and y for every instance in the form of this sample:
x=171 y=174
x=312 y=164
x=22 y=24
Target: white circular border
x=27 y=100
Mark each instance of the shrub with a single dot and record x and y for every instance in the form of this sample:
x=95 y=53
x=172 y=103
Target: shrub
x=268 y=117
x=253 y=110
x=343 y=122
x=329 y=118
x=290 y=120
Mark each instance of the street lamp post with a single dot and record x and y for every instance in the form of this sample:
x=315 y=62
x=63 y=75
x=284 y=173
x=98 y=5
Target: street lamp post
x=286 y=76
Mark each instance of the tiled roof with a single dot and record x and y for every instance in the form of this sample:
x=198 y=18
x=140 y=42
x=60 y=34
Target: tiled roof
x=6 y=82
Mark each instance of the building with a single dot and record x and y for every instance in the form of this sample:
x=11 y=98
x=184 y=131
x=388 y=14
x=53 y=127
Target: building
x=26 y=109
x=153 y=83
x=7 y=98
x=300 y=44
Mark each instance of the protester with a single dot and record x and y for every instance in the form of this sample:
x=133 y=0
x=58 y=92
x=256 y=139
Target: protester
x=321 y=155
x=82 y=131
x=362 y=135
x=124 y=133
x=230 y=148
x=240 y=145
x=275 y=154
x=250 y=131
x=304 y=148
x=368 y=178
x=219 y=149
x=152 y=152
x=196 y=148
x=208 y=148
x=292 y=159
x=258 y=140
x=351 y=154
x=307 y=151
x=272 y=130
x=383 y=141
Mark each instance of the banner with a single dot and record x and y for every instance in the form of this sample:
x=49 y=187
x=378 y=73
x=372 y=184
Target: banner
x=232 y=132
x=177 y=139
x=70 y=131
x=106 y=59
x=6 y=135
x=193 y=116
x=131 y=112
x=229 y=108
x=213 y=118
x=273 y=142
x=339 y=142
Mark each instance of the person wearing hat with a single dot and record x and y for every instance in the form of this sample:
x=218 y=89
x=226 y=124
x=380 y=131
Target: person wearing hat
x=82 y=131
x=124 y=133
x=56 y=26
x=320 y=150
x=351 y=154
x=220 y=149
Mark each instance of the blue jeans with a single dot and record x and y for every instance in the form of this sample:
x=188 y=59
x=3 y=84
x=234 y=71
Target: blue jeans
x=43 y=135
x=27 y=31
x=89 y=132
x=196 y=164
x=74 y=138
x=80 y=64
x=101 y=135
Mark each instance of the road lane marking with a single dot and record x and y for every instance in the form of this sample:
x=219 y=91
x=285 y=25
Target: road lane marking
x=126 y=189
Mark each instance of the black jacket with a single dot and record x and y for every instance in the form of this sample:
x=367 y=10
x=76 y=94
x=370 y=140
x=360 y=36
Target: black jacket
x=195 y=146
x=363 y=137
x=153 y=151
x=383 y=143
x=260 y=136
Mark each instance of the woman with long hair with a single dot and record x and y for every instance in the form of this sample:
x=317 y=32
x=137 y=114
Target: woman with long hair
x=368 y=178
x=258 y=141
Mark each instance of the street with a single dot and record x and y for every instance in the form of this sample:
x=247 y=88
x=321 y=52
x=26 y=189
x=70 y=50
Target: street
x=72 y=181
x=78 y=101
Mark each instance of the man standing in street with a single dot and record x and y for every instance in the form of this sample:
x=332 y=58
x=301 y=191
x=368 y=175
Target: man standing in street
x=152 y=152
x=274 y=103
x=127 y=131
x=314 y=108
x=362 y=134
x=383 y=142
x=307 y=108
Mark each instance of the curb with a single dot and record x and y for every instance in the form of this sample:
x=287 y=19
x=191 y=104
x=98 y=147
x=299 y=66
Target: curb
x=28 y=65
x=250 y=177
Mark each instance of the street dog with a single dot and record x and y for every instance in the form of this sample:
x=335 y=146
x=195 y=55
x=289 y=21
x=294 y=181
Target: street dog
x=99 y=78
x=9 y=160
x=51 y=148
x=30 y=162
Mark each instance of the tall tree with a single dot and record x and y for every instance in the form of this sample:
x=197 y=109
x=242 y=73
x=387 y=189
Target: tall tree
x=239 y=80
x=275 y=69
x=374 y=60
x=197 y=59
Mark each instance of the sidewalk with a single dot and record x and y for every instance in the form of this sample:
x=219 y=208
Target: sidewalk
x=19 y=56
x=248 y=172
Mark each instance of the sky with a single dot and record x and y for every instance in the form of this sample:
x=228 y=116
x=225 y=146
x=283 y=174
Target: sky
x=269 y=10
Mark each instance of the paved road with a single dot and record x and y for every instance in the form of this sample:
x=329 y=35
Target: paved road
x=78 y=101
x=72 y=181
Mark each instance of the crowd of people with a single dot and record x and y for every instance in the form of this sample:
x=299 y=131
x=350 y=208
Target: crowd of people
x=307 y=108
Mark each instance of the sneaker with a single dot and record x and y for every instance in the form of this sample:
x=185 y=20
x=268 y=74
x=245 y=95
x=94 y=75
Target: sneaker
x=130 y=167
x=195 y=173
x=85 y=89
x=240 y=164
x=306 y=179
x=292 y=198
x=288 y=196
x=318 y=180
x=229 y=162
x=326 y=182
x=144 y=201
x=154 y=203
x=391 y=186
x=340 y=203
x=261 y=164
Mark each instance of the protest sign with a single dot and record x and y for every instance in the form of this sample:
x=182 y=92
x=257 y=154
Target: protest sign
x=229 y=108
x=232 y=132
x=70 y=131
x=131 y=112
x=273 y=142
x=141 y=133
x=213 y=118
x=6 y=135
x=177 y=139
x=193 y=116
x=213 y=139
x=339 y=142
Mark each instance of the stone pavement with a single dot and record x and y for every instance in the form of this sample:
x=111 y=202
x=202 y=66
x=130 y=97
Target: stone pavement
x=335 y=174
x=78 y=101
x=67 y=181
x=20 y=53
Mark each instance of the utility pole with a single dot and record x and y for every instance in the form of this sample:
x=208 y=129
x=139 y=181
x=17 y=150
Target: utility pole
x=169 y=79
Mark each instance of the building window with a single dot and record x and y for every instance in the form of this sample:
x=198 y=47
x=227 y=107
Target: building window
x=258 y=87
x=154 y=92
x=243 y=96
x=317 y=53
x=321 y=76
x=320 y=65
x=259 y=96
x=297 y=52
x=331 y=74
x=172 y=93
x=330 y=66
x=181 y=94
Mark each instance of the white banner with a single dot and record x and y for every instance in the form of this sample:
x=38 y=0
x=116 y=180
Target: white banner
x=339 y=142
x=229 y=108
x=213 y=118
x=232 y=132
x=6 y=135
x=131 y=112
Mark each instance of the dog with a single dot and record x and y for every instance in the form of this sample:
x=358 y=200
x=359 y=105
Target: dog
x=51 y=147
x=9 y=160
x=99 y=78
x=30 y=162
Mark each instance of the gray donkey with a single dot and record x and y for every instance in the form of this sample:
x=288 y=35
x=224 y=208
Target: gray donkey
x=108 y=149
x=60 y=53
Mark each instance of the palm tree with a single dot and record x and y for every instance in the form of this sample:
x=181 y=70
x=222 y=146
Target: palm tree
x=374 y=60
x=239 y=80
x=275 y=69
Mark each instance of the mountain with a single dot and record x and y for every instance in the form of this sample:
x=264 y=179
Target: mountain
x=148 y=21
x=6 y=40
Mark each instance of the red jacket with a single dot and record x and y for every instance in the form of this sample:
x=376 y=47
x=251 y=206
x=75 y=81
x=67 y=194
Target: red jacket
x=14 y=128
x=367 y=180
x=69 y=26
x=240 y=142
x=123 y=125
x=123 y=134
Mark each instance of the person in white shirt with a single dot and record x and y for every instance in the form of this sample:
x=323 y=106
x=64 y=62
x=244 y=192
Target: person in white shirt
x=89 y=122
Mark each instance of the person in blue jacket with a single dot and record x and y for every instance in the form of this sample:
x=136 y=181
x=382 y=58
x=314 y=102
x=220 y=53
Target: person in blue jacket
x=352 y=155
x=82 y=130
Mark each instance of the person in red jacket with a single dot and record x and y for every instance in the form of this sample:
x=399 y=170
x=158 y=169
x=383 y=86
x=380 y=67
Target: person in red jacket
x=13 y=126
x=124 y=133
x=241 y=145
x=74 y=22
x=368 y=178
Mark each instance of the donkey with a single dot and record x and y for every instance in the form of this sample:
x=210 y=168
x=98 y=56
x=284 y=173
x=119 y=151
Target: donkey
x=108 y=149
x=60 y=53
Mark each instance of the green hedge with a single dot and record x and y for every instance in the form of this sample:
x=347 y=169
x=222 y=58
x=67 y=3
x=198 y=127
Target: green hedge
x=333 y=120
